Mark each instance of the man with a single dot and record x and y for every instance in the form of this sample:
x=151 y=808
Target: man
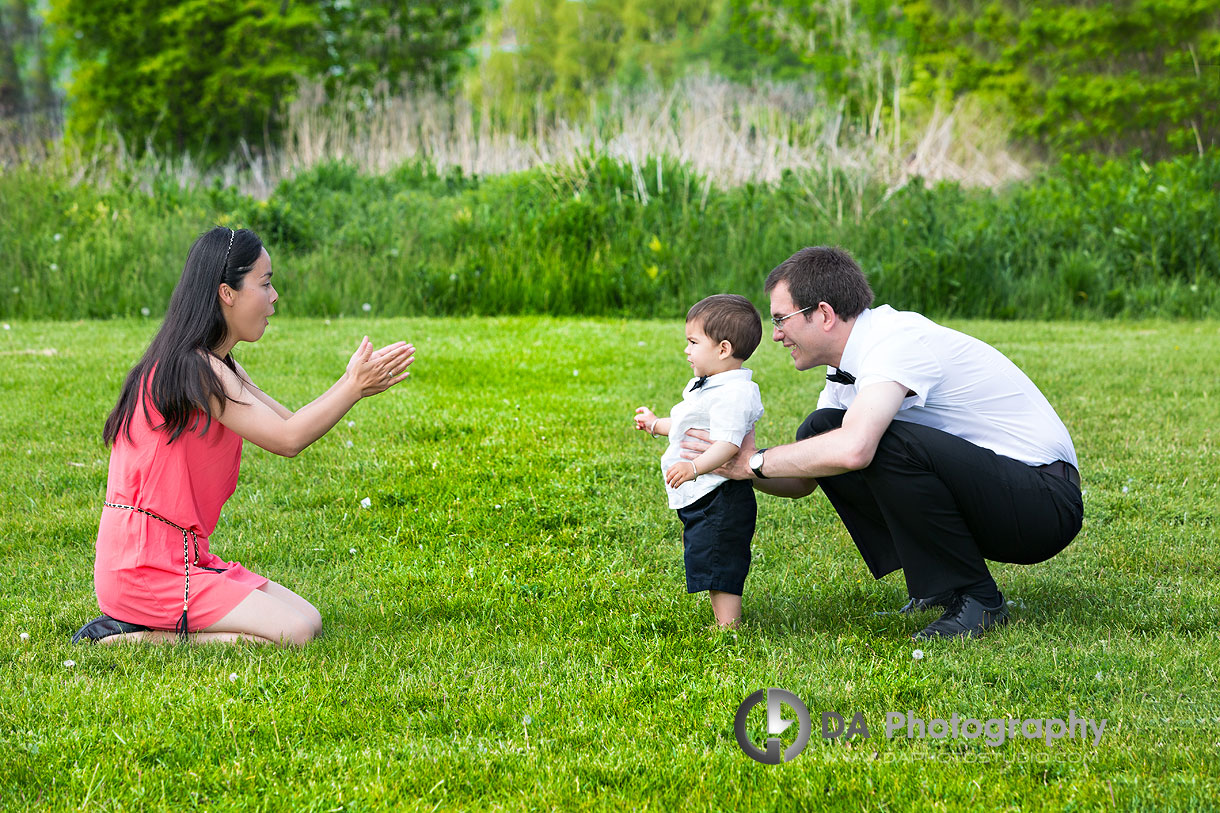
x=936 y=451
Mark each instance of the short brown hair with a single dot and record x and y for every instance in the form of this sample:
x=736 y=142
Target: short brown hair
x=731 y=318
x=823 y=274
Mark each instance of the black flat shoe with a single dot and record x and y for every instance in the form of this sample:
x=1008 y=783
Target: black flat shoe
x=103 y=627
x=917 y=605
x=966 y=617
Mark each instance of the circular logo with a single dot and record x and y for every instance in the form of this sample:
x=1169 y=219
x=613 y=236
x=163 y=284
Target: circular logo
x=774 y=753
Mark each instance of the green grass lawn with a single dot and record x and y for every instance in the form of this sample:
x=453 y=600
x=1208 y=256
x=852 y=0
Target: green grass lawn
x=507 y=625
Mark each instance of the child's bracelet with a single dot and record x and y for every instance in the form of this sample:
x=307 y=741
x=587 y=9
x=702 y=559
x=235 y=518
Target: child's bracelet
x=694 y=467
x=652 y=426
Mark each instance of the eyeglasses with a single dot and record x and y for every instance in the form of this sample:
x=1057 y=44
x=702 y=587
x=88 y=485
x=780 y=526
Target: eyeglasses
x=778 y=321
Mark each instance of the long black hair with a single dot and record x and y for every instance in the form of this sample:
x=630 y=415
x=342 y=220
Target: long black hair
x=185 y=382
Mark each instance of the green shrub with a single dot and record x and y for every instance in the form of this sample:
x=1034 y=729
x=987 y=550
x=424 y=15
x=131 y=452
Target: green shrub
x=1082 y=239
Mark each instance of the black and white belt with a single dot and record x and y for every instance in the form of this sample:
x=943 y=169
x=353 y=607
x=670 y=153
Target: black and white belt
x=189 y=539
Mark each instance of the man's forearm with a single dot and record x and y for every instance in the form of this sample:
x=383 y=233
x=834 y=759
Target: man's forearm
x=823 y=456
x=792 y=487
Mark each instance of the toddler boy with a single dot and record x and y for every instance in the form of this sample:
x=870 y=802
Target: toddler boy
x=717 y=514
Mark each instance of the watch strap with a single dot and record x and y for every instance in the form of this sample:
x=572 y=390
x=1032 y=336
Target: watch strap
x=758 y=469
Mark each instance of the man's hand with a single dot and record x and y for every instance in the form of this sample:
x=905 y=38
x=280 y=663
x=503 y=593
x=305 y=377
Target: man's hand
x=699 y=441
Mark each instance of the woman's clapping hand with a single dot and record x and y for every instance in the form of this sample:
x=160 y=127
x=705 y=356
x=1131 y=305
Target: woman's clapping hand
x=375 y=371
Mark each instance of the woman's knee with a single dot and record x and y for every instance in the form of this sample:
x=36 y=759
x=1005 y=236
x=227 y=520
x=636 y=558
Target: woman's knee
x=286 y=627
x=310 y=616
x=300 y=631
x=301 y=605
x=289 y=625
x=315 y=620
x=271 y=618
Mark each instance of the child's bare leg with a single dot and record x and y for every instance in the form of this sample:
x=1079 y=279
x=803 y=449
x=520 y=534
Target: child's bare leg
x=726 y=607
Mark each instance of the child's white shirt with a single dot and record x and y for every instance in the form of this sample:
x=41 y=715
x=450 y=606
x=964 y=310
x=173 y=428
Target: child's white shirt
x=727 y=406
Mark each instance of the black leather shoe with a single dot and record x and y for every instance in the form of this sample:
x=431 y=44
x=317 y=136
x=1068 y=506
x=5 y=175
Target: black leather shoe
x=103 y=627
x=966 y=617
x=917 y=605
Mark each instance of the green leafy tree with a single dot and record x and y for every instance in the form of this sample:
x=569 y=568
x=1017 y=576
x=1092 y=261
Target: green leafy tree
x=735 y=44
x=1103 y=76
x=1094 y=75
x=25 y=64
x=196 y=75
x=12 y=91
x=858 y=50
x=397 y=43
x=565 y=52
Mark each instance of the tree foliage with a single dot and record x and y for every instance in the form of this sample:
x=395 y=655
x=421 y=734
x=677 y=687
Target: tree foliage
x=196 y=75
x=565 y=52
x=859 y=50
x=396 y=43
x=25 y=64
x=1104 y=76
x=1101 y=75
x=204 y=75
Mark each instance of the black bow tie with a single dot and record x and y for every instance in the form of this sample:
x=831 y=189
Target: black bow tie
x=841 y=377
x=702 y=380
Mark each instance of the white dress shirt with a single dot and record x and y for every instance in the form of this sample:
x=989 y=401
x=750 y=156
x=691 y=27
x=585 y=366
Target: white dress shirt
x=727 y=406
x=960 y=385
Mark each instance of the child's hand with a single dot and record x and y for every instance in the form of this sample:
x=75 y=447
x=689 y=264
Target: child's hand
x=679 y=473
x=644 y=419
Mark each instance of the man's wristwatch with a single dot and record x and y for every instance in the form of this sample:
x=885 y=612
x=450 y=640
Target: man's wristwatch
x=756 y=461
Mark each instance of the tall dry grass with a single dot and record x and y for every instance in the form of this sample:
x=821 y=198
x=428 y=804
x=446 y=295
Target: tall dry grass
x=729 y=133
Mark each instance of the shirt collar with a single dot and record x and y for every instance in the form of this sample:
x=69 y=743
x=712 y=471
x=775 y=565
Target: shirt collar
x=855 y=342
x=727 y=377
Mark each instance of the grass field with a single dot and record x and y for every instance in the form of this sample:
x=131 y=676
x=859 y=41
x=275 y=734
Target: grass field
x=507 y=626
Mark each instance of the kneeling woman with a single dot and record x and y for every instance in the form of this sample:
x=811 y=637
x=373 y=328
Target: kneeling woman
x=176 y=438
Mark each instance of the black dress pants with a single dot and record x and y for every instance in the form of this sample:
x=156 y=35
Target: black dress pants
x=937 y=506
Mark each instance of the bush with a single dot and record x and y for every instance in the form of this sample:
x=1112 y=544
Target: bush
x=1083 y=239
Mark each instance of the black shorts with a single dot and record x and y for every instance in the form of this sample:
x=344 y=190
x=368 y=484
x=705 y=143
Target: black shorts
x=717 y=529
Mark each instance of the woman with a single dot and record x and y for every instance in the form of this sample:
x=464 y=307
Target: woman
x=176 y=437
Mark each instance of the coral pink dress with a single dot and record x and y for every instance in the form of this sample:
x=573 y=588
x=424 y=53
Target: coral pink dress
x=139 y=574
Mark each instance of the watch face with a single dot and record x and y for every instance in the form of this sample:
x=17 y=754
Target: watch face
x=756 y=460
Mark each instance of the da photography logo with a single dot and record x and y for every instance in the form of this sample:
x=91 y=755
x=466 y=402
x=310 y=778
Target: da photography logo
x=774 y=753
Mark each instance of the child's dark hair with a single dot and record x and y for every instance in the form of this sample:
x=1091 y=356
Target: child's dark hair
x=729 y=317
